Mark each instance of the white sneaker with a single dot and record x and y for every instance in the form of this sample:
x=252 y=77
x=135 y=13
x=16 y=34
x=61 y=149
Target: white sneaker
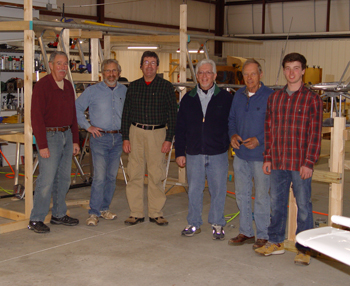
x=92 y=220
x=108 y=215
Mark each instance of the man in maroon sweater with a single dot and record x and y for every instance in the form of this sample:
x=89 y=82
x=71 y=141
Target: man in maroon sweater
x=55 y=128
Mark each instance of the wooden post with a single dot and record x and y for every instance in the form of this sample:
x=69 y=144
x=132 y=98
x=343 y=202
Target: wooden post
x=292 y=215
x=107 y=47
x=336 y=163
x=28 y=88
x=182 y=66
x=94 y=59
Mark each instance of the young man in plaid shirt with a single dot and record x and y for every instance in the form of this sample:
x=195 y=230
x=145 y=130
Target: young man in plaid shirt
x=293 y=126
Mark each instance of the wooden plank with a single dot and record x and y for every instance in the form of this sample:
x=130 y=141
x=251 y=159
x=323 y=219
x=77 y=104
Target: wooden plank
x=346 y=164
x=347 y=134
x=16 y=137
x=77 y=202
x=107 y=47
x=182 y=66
x=81 y=77
x=12 y=226
x=85 y=34
x=290 y=246
x=13 y=215
x=94 y=59
x=75 y=33
x=292 y=216
x=148 y=39
x=28 y=89
x=326 y=130
x=327 y=177
x=15 y=26
x=171 y=190
x=336 y=163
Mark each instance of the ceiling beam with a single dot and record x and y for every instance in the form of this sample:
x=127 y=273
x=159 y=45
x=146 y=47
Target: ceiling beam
x=237 y=3
x=115 y=20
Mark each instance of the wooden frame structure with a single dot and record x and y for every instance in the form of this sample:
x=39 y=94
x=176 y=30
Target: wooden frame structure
x=335 y=177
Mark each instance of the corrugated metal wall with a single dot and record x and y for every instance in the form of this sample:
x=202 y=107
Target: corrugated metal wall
x=332 y=55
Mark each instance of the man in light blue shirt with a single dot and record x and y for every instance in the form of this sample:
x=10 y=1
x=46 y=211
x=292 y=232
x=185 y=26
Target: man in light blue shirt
x=105 y=101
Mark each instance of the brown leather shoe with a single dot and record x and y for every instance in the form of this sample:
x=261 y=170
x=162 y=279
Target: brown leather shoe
x=131 y=220
x=259 y=243
x=159 y=220
x=241 y=239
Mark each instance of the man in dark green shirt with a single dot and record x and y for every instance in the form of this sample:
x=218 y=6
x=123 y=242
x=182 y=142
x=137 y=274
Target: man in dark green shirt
x=148 y=127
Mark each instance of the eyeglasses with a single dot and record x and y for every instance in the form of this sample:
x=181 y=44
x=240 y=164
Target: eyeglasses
x=207 y=73
x=146 y=63
x=110 y=71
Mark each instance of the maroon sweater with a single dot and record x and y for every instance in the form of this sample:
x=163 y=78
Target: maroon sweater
x=52 y=107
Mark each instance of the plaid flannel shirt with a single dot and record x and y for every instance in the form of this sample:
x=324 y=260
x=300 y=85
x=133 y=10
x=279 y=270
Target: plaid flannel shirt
x=293 y=126
x=153 y=104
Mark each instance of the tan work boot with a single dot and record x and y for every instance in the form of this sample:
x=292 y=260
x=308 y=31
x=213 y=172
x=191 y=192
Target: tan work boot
x=108 y=215
x=271 y=249
x=302 y=258
x=92 y=220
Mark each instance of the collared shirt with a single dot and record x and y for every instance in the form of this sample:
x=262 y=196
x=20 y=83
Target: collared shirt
x=105 y=106
x=52 y=107
x=293 y=128
x=153 y=104
x=247 y=117
x=205 y=97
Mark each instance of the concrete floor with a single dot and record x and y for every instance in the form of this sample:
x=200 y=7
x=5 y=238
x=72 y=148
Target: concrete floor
x=147 y=254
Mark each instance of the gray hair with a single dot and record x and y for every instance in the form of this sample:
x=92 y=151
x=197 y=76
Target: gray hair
x=252 y=61
x=111 y=61
x=57 y=53
x=206 y=61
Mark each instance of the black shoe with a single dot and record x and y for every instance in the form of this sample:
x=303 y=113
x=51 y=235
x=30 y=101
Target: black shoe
x=38 y=226
x=66 y=220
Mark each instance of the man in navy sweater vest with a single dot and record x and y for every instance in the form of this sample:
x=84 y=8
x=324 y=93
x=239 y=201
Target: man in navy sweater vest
x=201 y=144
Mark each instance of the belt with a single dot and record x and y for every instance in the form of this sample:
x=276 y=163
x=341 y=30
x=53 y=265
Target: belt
x=147 y=127
x=61 y=129
x=111 y=131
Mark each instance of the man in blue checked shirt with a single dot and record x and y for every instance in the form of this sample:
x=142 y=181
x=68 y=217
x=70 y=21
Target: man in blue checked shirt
x=105 y=101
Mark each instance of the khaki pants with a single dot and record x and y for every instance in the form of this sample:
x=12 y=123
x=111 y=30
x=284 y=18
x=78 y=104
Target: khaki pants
x=146 y=148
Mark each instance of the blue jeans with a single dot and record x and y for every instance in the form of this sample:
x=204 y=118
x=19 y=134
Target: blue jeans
x=106 y=151
x=215 y=168
x=280 y=183
x=54 y=176
x=244 y=172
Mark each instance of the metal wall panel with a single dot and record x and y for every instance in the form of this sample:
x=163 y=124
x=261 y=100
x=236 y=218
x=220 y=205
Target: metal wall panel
x=332 y=55
x=201 y=15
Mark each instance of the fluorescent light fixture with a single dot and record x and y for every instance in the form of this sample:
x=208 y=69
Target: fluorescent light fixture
x=143 y=48
x=193 y=51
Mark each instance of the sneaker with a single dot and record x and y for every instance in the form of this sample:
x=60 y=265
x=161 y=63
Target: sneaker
x=271 y=249
x=131 y=220
x=108 y=215
x=159 y=220
x=92 y=220
x=190 y=230
x=241 y=239
x=38 y=226
x=218 y=232
x=259 y=243
x=302 y=259
x=66 y=220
